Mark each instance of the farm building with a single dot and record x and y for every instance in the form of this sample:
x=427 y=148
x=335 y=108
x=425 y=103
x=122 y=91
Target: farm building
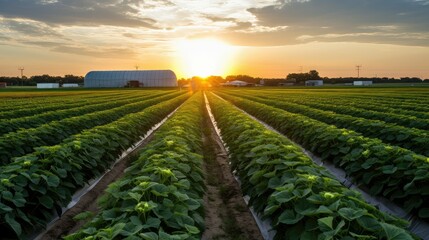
x=144 y=78
x=48 y=85
x=235 y=83
x=314 y=83
x=362 y=83
x=3 y=84
x=70 y=85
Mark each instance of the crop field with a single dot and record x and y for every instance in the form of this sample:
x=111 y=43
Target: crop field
x=177 y=181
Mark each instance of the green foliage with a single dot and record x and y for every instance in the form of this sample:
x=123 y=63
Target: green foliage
x=24 y=141
x=32 y=186
x=302 y=199
x=388 y=171
x=160 y=196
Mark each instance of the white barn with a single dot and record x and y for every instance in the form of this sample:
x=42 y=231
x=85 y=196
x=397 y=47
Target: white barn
x=48 y=85
x=117 y=79
x=362 y=83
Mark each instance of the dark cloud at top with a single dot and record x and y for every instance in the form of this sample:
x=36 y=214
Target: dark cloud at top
x=399 y=22
x=77 y=12
x=342 y=16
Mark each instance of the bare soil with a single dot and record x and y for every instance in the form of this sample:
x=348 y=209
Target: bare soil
x=226 y=214
x=88 y=202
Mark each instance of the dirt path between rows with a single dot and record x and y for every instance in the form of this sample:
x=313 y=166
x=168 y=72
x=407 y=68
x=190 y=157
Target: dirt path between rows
x=88 y=202
x=226 y=214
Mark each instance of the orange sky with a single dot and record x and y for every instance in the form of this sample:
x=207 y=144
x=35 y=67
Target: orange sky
x=258 y=38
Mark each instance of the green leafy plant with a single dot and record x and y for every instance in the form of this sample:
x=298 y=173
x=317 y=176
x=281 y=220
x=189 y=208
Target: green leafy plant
x=32 y=186
x=302 y=200
x=160 y=196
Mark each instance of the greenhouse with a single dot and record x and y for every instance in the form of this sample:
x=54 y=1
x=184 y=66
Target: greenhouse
x=136 y=78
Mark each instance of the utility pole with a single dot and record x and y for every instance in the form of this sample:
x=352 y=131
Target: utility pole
x=22 y=75
x=358 y=67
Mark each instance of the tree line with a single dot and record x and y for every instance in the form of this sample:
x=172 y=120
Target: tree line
x=297 y=79
x=33 y=80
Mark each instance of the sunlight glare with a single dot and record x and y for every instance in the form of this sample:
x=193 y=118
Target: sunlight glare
x=204 y=57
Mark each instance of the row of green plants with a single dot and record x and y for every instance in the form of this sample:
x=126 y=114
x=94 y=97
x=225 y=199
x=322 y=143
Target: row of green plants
x=417 y=110
x=161 y=194
x=24 y=141
x=12 y=125
x=302 y=200
x=395 y=173
x=372 y=102
x=400 y=119
x=29 y=107
x=416 y=140
x=33 y=186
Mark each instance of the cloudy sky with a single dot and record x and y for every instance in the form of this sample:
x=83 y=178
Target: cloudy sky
x=257 y=37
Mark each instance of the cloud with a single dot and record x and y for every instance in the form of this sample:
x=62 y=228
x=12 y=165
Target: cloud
x=29 y=28
x=78 y=12
x=99 y=53
x=375 y=21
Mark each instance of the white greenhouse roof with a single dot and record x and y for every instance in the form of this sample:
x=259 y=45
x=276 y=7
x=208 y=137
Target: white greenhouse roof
x=148 y=78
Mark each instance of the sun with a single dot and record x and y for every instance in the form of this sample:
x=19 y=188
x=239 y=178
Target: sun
x=204 y=57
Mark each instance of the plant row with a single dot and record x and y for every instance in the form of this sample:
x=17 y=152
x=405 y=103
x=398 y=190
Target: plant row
x=29 y=108
x=380 y=103
x=410 y=138
x=417 y=110
x=302 y=200
x=11 y=125
x=19 y=143
x=32 y=186
x=62 y=103
x=397 y=174
x=403 y=120
x=161 y=194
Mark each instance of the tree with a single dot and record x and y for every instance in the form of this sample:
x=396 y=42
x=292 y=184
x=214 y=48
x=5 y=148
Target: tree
x=302 y=77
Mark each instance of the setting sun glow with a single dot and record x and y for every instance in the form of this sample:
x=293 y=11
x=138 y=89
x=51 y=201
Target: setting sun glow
x=204 y=57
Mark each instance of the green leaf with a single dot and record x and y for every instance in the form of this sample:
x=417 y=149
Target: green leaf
x=53 y=181
x=350 y=213
x=290 y=217
x=389 y=169
x=46 y=201
x=283 y=196
x=13 y=224
x=192 y=229
x=325 y=223
x=149 y=236
x=361 y=237
x=109 y=214
x=395 y=233
x=152 y=223
x=5 y=208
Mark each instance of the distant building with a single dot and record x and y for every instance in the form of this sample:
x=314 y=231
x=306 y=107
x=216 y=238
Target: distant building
x=314 y=83
x=362 y=83
x=3 y=84
x=235 y=83
x=48 y=85
x=117 y=79
x=70 y=85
